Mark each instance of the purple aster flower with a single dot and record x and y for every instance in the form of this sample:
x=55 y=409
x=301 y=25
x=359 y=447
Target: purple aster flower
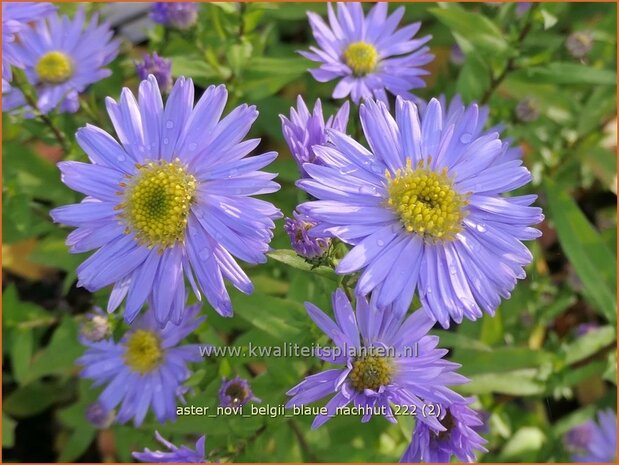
x=385 y=360
x=236 y=392
x=304 y=130
x=145 y=369
x=62 y=57
x=367 y=53
x=159 y=67
x=98 y=416
x=179 y=15
x=173 y=199
x=306 y=246
x=15 y=19
x=176 y=455
x=95 y=326
x=460 y=437
x=424 y=209
x=593 y=442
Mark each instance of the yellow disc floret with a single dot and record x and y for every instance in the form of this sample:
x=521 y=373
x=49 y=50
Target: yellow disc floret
x=361 y=57
x=54 y=67
x=370 y=372
x=426 y=201
x=143 y=351
x=156 y=203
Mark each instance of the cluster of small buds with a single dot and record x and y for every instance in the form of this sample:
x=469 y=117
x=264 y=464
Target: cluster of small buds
x=305 y=245
x=579 y=43
x=159 y=67
x=527 y=110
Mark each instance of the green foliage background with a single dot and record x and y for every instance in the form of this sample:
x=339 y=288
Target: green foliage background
x=528 y=368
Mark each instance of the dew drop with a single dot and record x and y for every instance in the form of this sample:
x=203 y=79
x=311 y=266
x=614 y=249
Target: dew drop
x=376 y=169
x=234 y=172
x=481 y=228
x=169 y=124
x=466 y=138
x=166 y=141
x=370 y=190
x=380 y=242
x=193 y=146
x=453 y=270
x=348 y=170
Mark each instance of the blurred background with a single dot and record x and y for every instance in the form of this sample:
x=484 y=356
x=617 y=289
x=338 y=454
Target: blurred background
x=545 y=363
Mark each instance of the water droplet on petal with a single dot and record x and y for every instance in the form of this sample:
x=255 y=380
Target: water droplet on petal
x=370 y=190
x=376 y=169
x=453 y=270
x=234 y=172
x=166 y=141
x=481 y=228
x=169 y=124
x=348 y=170
x=466 y=138
x=380 y=242
x=193 y=146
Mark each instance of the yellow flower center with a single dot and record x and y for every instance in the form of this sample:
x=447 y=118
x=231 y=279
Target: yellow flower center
x=361 y=57
x=144 y=352
x=426 y=201
x=370 y=372
x=54 y=68
x=157 y=201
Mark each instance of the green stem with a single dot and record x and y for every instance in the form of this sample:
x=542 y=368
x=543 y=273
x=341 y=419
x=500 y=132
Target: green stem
x=60 y=137
x=495 y=81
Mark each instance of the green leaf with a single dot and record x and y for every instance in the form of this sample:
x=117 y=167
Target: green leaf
x=520 y=383
x=492 y=329
x=460 y=341
x=78 y=442
x=21 y=353
x=265 y=76
x=290 y=257
x=34 y=398
x=60 y=355
x=54 y=253
x=523 y=445
x=549 y=19
x=474 y=78
x=18 y=313
x=611 y=371
x=276 y=317
x=501 y=359
x=569 y=73
x=593 y=261
x=475 y=27
x=589 y=344
x=8 y=431
x=192 y=66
